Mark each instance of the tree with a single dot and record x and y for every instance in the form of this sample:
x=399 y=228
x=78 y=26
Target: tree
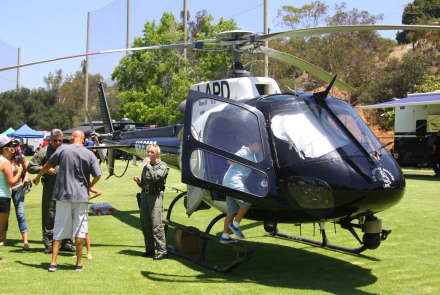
x=54 y=82
x=353 y=56
x=395 y=79
x=430 y=83
x=419 y=12
x=153 y=83
x=38 y=108
x=72 y=91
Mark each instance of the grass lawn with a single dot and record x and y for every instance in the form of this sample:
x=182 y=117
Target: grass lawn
x=406 y=263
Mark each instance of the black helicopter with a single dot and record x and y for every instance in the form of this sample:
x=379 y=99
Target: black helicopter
x=319 y=162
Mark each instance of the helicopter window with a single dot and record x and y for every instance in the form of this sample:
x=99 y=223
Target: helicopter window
x=355 y=125
x=233 y=175
x=226 y=127
x=277 y=97
x=309 y=135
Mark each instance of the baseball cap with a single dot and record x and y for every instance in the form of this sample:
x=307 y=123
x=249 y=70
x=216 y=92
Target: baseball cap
x=4 y=140
x=15 y=142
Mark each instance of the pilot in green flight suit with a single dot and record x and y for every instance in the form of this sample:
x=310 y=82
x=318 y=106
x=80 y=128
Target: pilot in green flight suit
x=152 y=183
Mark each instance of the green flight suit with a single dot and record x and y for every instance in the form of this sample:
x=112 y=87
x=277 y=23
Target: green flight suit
x=47 y=204
x=153 y=186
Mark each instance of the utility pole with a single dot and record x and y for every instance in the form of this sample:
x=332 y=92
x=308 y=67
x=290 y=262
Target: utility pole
x=128 y=27
x=86 y=78
x=185 y=24
x=413 y=16
x=266 y=31
x=18 y=69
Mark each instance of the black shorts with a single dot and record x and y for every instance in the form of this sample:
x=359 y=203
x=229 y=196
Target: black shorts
x=5 y=205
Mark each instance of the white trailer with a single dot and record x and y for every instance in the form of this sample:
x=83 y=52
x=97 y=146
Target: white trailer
x=417 y=120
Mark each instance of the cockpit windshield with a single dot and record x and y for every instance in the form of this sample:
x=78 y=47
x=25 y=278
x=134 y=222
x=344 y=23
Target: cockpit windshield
x=307 y=132
x=311 y=133
x=355 y=124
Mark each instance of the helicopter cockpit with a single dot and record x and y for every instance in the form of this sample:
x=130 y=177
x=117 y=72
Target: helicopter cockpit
x=227 y=127
x=313 y=134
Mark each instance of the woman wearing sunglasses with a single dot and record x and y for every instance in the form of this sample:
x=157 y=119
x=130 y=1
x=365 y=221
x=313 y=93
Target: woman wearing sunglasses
x=18 y=194
x=7 y=180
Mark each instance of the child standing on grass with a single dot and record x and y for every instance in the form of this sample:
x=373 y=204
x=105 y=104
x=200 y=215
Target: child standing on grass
x=89 y=251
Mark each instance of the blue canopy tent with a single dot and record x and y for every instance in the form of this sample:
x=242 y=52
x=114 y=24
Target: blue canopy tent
x=26 y=132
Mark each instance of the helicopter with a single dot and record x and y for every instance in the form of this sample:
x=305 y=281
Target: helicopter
x=319 y=163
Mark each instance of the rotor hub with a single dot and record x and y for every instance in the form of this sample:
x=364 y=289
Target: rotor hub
x=235 y=35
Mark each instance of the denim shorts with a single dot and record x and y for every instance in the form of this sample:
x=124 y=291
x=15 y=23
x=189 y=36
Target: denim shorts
x=232 y=205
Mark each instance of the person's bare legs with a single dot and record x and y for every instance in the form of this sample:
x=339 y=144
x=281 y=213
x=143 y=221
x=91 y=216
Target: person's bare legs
x=79 y=249
x=25 y=240
x=241 y=213
x=89 y=251
x=3 y=238
x=3 y=219
x=55 y=248
x=228 y=219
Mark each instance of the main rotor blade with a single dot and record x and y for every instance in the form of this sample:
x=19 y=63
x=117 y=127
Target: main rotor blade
x=339 y=29
x=304 y=65
x=160 y=47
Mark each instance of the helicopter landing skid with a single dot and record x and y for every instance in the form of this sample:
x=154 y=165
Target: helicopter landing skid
x=273 y=231
x=243 y=252
x=324 y=243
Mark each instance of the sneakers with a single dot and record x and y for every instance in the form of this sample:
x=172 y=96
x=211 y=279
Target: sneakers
x=53 y=268
x=48 y=251
x=226 y=241
x=79 y=268
x=236 y=230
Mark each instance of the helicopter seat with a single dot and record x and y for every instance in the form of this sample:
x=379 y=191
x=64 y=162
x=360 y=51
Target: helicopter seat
x=220 y=136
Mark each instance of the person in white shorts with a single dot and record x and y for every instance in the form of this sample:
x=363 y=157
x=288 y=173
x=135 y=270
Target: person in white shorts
x=71 y=193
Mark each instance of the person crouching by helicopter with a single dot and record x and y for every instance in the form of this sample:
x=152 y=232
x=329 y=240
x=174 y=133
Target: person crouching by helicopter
x=235 y=178
x=152 y=182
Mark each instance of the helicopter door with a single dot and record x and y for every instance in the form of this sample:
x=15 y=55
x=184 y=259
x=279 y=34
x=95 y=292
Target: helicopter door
x=225 y=150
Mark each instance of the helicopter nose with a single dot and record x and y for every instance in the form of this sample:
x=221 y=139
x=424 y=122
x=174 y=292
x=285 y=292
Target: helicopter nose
x=314 y=196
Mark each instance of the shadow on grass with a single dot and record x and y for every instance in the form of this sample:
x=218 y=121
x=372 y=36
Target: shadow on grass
x=132 y=252
x=18 y=244
x=127 y=217
x=284 y=267
x=422 y=177
x=42 y=265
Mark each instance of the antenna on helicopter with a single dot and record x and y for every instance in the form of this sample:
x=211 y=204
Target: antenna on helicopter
x=324 y=94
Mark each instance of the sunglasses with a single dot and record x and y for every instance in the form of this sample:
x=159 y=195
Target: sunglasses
x=58 y=140
x=10 y=148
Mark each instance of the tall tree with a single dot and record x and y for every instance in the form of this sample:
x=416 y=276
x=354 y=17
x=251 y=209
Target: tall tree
x=395 y=79
x=353 y=56
x=153 y=83
x=54 y=81
x=38 y=108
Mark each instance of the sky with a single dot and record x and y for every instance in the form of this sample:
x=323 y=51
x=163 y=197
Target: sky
x=47 y=29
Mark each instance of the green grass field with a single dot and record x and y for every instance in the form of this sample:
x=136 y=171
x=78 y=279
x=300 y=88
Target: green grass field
x=408 y=262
